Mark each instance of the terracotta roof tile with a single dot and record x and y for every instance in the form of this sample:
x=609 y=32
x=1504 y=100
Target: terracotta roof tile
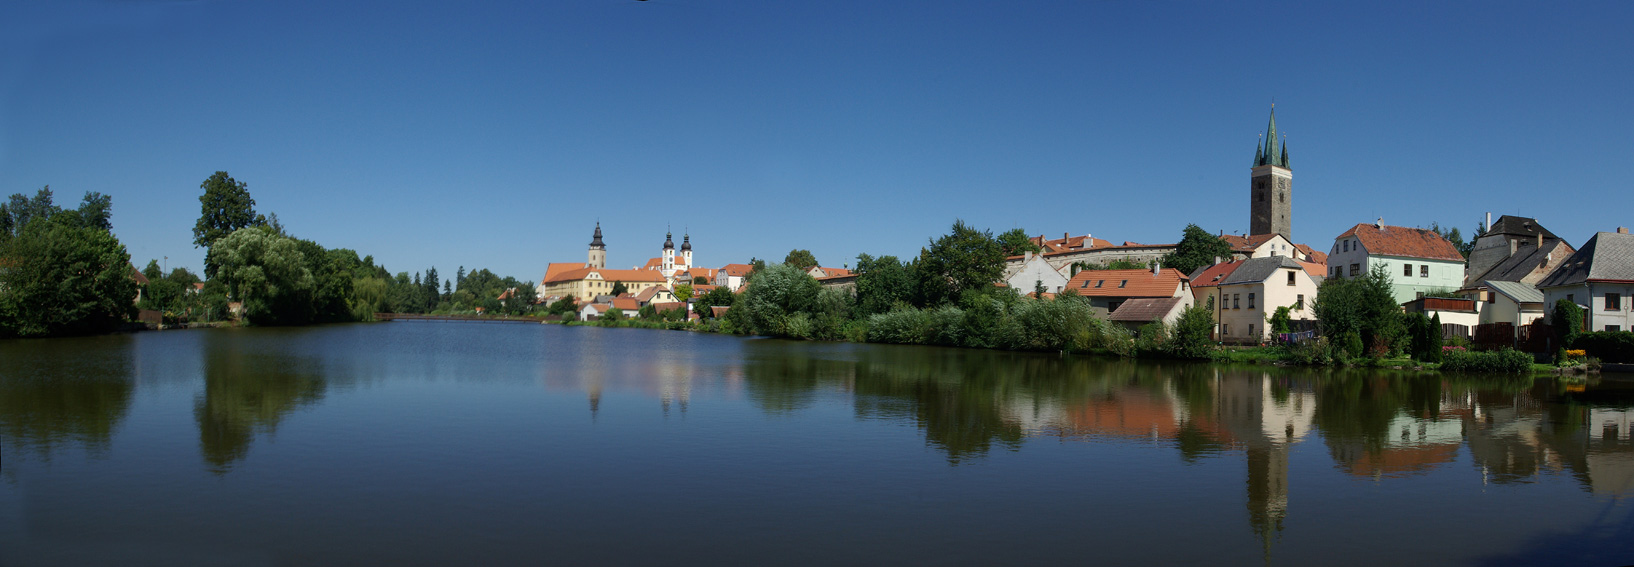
x=1315 y=255
x=1127 y=283
x=626 y=303
x=1210 y=276
x=737 y=269
x=1144 y=310
x=1403 y=242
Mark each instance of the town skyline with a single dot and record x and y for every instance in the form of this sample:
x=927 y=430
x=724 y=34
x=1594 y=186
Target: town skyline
x=498 y=136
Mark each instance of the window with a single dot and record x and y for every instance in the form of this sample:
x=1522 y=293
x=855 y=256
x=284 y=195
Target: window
x=1614 y=302
x=1614 y=328
x=1123 y=283
x=1099 y=282
x=1345 y=244
x=1236 y=301
x=1084 y=285
x=1290 y=277
x=1424 y=271
x=1250 y=329
x=1355 y=269
x=1282 y=195
x=1250 y=301
x=1299 y=304
x=1225 y=329
x=1407 y=270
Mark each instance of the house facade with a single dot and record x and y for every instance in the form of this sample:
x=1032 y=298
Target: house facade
x=732 y=276
x=1035 y=272
x=1515 y=303
x=1245 y=299
x=1417 y=260
x=1515 y=249
x=1108 y=290
x=1599 y=277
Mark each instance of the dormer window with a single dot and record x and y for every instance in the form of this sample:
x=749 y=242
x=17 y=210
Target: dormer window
x=1098 y=283
x=1123 y=283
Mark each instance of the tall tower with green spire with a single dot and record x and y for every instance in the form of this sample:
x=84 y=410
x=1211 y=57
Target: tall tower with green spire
x=1271 y=185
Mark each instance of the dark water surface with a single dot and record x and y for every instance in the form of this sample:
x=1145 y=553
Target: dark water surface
x=433 y=443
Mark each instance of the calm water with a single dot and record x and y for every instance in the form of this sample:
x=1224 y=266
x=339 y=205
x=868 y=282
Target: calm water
x=417 y=443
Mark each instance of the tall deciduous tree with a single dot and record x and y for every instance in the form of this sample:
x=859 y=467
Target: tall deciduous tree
x=1015 y=242
x=963 y=260
x=225 y=207
x=881 y=283
x=802 y=259
x=62 y=278
x=268 y=273
x=1197 y=248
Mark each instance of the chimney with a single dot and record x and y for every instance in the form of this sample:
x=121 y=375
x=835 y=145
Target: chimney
x=1622 y=230
x=1216 y=260
x=1155 y=268
x=1027 y=256
x=1514 y=243
x=1540 y=239
x=1488 y=225
x=1064 y=238
x=1379 y=224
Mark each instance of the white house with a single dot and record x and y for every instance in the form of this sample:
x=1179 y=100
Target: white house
x=1417 y=260
x=1255 y=288
x=1033 y=273
x=1600 y=278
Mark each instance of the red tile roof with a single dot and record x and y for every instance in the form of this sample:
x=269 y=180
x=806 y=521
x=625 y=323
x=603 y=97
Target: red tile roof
x=626 y=303
x=1404 y=242
x=1213 y=275
x=1069 y=243
x=1247 y=243
x=1318 y=257
x=718 y=310
x=701 y=289
x=1145 y=309
x=1314 y=269
x=1127 y=283
x=555 y=270
x=737 y=269
x=646 y=294
x=833 y=272
x=708 y=273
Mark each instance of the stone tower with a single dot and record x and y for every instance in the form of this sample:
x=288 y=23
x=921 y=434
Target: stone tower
x=598 y=251
x=669 y=253
x=1272 y=187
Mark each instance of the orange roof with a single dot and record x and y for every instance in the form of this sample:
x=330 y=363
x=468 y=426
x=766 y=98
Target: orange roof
x=1404 y=242
x=666 y=306
x=625 y=303
x=1247 y=243
x=1213 y=275
x=646 y=294
x=1318 y=257
x=737 y=269
x=136 y=274
x=1127 y=283
x=1314 y=269
x=554 y=271
x=1068 y=243
x=718 y=310
x=834 y=272
x=704 y=272
x=607 y=275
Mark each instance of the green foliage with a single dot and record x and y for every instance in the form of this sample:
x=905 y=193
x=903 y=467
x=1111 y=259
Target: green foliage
x=700 y=280
x=611 y=317
x=1281 y=320
x=718 y=297
x=1506 y=361
x=268 y=273
x=1424 y=335
x=1567 y=319
x=1015 y=242
x=1457 y=239
x=1152 y=338
x=1119 y=341
x=683 y=292
x=801 y=259
x=1608 y=346
x=1352 y=343
x=1316 y=352
x=964 y=259
x=566 y=305
x=618 y=289
x=1191 y=334
x=1113 y=265
x=62 y=277
x=20 y=211
x=226 y=207
x=774 y=295
x=882 y=283
x=1365 y=306
x=1197 y=248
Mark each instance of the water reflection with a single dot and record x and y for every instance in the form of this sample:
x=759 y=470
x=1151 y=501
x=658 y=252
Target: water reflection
x=249 y=387
x=1375 y=424
x=63 y=393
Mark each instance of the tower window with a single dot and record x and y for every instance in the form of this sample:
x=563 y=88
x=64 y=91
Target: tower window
x=1283 y=196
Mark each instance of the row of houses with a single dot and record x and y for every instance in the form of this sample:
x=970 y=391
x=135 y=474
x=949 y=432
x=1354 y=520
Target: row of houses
x=1515 y=271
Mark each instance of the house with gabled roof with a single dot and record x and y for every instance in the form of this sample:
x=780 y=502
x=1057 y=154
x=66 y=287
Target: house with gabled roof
x=1417 y=260
x=732 y=276
x=1261 y=246
x=1109 y=290
x=1599 y=277
x=1516 y=303
x=1035 y=272
x=1252 y=290
x=1515 y=249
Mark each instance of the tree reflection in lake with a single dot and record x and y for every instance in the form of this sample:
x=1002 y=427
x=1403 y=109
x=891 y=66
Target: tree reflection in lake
x=65 y=391
x=249 y=386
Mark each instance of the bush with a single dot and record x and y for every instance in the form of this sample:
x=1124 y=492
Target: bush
x=1118 y=341
x=1151 y=337
x=1316 y=352
x=1507 y=361
x=1608 y=346
x=901 y=326
x=1190 y=337
x=1352 y=343
x=1567 y=320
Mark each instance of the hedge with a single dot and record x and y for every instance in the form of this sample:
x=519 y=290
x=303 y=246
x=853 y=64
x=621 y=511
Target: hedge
x=1506 y=361
x=1608 y=346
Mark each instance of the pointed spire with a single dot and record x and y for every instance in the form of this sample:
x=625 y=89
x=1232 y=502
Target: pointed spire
x=1284 y=158
x=1259 y=152
x=595 y=241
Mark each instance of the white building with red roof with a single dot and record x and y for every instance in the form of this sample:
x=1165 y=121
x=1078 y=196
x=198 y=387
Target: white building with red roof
x=1417 y=260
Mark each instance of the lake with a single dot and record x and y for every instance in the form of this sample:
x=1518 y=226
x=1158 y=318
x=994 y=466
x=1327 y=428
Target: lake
x=438 y=443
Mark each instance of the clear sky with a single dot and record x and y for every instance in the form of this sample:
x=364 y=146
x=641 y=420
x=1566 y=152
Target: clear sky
x=494 y=135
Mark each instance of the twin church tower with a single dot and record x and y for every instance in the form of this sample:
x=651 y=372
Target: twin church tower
x=1272 y=186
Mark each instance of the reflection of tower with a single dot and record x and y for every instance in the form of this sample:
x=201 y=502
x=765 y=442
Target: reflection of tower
x=1267 y=490
x=1268 y=418
x=598 y=251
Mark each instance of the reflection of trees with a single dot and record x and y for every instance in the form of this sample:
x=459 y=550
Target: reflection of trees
x=57 y=392
x=246 y=393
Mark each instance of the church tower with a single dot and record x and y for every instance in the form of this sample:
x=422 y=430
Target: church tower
x=669 y=254
x=686 y=251
x=1271 y=187
x=598 y=251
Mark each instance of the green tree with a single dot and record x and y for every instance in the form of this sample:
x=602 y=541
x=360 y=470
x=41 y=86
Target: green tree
x=1197 y=248
x=774 y=298
x=63 y=278
x=618 y=289
x=1015 y=242
x=1567 y=320
x=96 y=210
x=700 y=280
x=718 y=297
x=1193 y=334
x=1281 y=321
x=801 y=259
x=964 y=259
x=565 y=305
x=683 y=292
x=1365 y=306
x=882 y=283
x=268 y=273
x=225 y=206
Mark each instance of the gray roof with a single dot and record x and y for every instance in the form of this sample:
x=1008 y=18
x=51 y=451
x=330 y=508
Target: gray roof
x=1518 y=226
x=1607 y=256
x=1522 y=263
x=1255 y=270
x=1143 y=310
x=1516 y=291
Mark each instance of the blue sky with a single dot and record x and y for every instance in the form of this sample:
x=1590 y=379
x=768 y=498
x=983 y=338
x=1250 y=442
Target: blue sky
x=496 y=134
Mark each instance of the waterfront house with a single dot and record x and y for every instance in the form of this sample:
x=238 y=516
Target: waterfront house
x=1260 y=246
x=1205 y=287
x=654 y=295
x=593 y=311
x=1598 y=277
x=1461 y=311
x=575 y=279
x=1515 y=303
x=1035 y=271
x=732 y=276
x=1251 y=292
x=1417 y=260
x=1108 y=290
x=1515 y=249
